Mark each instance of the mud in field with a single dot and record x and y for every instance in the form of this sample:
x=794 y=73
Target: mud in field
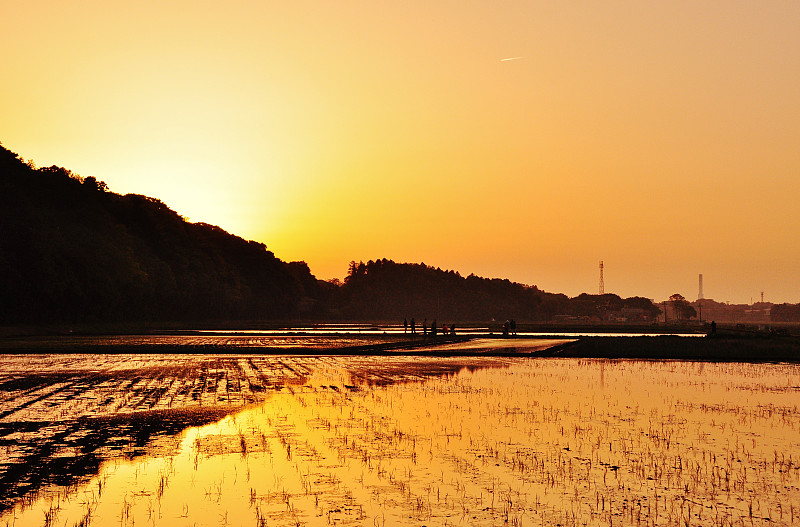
x=61 y=416
x=190 y=342
x=377 y=441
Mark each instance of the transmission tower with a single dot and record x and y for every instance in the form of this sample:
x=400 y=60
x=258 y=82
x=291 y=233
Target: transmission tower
x=602 y=286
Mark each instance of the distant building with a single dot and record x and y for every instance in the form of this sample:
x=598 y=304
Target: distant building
x=629 y=314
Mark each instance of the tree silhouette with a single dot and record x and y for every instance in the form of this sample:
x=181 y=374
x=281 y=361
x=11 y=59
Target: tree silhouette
x=71 y=250
x=681 y=307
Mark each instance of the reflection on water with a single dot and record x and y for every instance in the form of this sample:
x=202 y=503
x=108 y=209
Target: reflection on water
x=319 y=338
x=524 y=442
x=205 y=341
x=62 y=415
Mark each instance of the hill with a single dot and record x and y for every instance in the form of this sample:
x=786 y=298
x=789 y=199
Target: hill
x=71 y=250
x=383 y=289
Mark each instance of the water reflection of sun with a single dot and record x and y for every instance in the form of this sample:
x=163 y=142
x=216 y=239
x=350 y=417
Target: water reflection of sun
x=531 y=442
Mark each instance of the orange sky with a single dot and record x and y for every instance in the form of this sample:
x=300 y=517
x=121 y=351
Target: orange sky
x=660 y=137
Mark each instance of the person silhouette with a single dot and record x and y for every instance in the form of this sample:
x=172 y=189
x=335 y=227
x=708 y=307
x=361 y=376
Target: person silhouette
x=413 y=326
x=405 y=325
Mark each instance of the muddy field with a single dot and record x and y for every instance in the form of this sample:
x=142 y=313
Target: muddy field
x=255 y=440
x=62 y=415
x=193 y=342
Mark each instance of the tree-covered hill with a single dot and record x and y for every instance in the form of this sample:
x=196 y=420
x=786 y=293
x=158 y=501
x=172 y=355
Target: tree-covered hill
x=72 y=251
x=383 y=289
x=388 y=290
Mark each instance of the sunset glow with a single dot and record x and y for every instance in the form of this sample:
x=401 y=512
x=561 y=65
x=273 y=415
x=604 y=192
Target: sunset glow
x=522 y=140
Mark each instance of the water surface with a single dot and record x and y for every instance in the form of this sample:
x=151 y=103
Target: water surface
x=476 y=441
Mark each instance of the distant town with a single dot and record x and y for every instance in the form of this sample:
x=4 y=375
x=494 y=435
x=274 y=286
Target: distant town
x=705 y=310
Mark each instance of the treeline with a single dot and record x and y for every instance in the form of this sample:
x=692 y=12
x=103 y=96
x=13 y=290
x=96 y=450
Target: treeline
x=383 y=289
x=72 y=251
x=785 y=313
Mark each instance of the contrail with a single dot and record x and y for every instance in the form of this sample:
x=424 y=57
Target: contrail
x=510 y=58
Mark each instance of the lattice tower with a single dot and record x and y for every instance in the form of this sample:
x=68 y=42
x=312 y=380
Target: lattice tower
x=602 y=285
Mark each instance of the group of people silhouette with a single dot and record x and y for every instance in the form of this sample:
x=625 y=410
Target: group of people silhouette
x=509 y=328
x=432 y=330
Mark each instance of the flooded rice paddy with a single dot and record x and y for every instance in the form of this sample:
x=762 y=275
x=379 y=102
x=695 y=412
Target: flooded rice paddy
x=221 y=342
x=374 y=441
x=312 y=340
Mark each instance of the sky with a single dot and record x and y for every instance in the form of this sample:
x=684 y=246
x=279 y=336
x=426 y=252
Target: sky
x=525 y=140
